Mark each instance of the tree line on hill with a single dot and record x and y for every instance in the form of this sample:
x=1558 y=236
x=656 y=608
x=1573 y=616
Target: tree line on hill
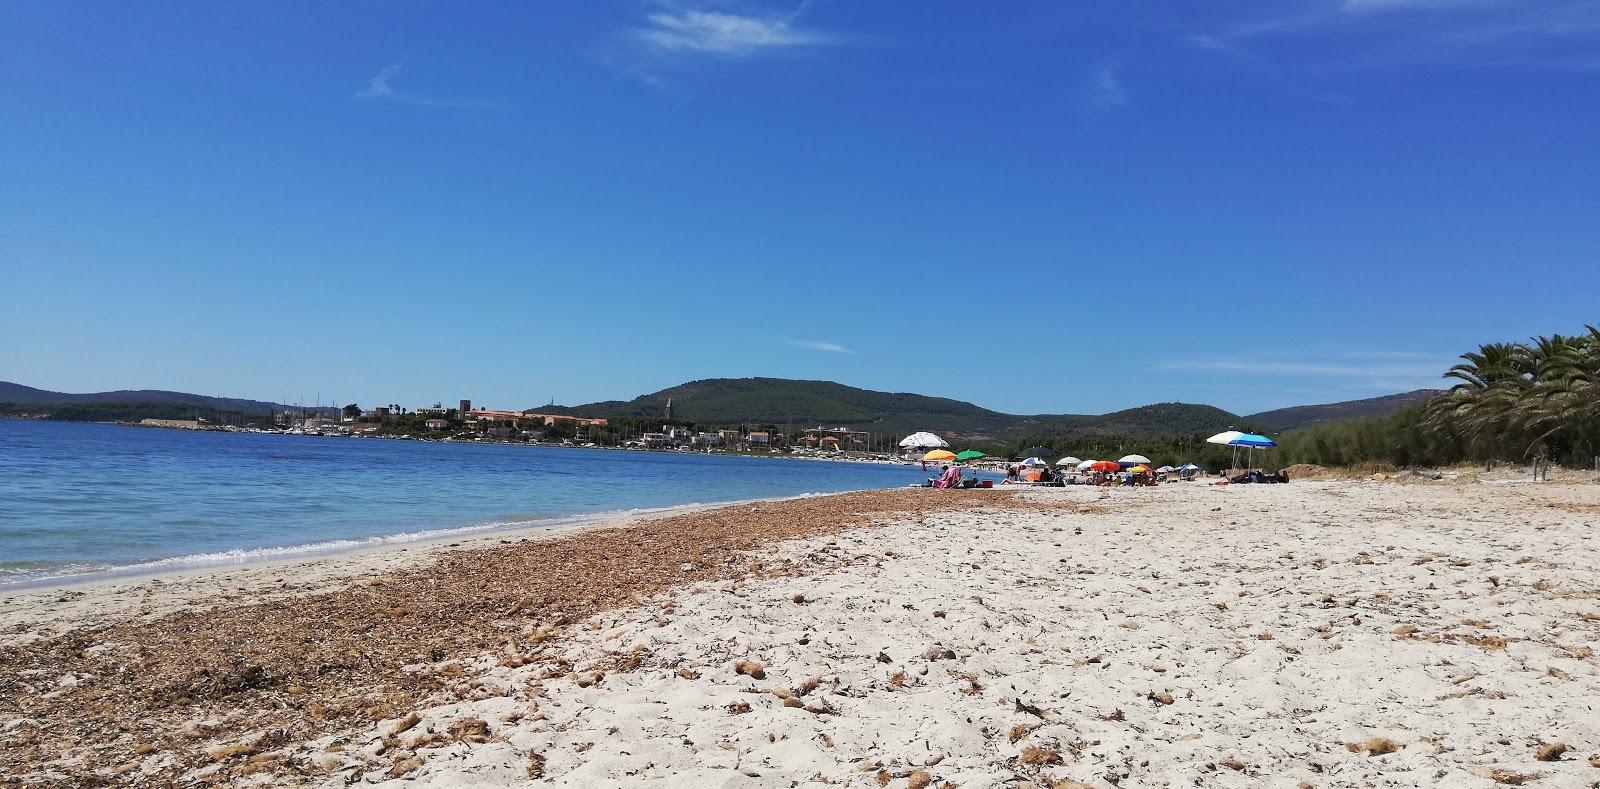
x=1512 y=402
x=131 y=412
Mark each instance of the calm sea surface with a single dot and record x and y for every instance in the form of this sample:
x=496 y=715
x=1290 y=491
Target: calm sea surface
x=91 y=499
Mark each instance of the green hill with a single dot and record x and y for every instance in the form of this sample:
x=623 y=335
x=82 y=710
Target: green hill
x=780 y=401
x=131 y=405
x=1307 y=415
x=26 y=395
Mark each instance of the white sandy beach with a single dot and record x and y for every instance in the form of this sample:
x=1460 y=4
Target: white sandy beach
x=1186 y=635
x=1313 y=634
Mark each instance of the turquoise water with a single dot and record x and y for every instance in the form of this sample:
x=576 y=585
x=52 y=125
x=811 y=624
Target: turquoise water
x=87 y=499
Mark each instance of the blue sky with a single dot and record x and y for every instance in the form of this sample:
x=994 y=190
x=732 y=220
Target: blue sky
x=1039 y=207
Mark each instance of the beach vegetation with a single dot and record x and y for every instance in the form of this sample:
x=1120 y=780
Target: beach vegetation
x=1510 y=402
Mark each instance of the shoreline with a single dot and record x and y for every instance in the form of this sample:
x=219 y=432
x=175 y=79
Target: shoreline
x=304 y=553
x=134 y=668
x=107 y=595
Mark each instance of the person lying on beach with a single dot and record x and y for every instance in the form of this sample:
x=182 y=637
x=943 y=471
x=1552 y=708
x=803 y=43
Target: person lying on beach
x=1261 y=478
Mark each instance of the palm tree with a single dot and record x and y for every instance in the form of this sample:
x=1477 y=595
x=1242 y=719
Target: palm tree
x=1563 y=407
x=1481 y=407
x=1491 y=364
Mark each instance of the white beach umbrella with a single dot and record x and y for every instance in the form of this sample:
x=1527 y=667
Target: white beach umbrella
x=1034 y=462
x=1084 y=465
x=923 y=441
x=1068 y=461
x=1134 y=460
x=1229 y=438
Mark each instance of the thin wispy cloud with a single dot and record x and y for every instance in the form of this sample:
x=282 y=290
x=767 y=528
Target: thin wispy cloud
x=1368 y=371
x=720 y=32
x=1301 y=368
x=675 y=36
x=819 y=345
x=1560 y=34
x=381 y=88
x=1389 y=5
x=1213 y=41
x=1106 y=91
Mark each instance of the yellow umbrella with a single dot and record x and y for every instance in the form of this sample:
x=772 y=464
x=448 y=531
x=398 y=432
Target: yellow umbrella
x=1140 y=469
x=940 y=454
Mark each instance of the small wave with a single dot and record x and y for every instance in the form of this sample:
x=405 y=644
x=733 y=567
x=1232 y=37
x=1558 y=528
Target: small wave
x=21 y=576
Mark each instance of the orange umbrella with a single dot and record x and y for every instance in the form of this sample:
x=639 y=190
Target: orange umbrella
x=943 y=454
x=1105 y=465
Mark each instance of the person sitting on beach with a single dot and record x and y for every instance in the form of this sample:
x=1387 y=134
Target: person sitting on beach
x=952 y=477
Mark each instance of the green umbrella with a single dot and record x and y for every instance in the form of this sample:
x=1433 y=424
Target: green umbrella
x=971 y=454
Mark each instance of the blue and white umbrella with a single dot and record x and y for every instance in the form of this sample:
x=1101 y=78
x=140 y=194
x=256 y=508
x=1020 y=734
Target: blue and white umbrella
x=1252 y=440
x=1235 y=438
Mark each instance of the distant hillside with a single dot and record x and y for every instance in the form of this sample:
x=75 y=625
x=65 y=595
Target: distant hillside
x=779 y=401
x=1167 y=419
x=783 y=402
x=1307 y=415
x=17 y=394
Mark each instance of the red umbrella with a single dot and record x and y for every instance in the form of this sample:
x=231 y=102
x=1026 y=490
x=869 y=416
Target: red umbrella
x=1105 y=465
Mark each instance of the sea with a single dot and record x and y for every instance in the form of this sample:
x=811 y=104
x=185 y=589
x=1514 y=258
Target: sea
x=79 y=501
